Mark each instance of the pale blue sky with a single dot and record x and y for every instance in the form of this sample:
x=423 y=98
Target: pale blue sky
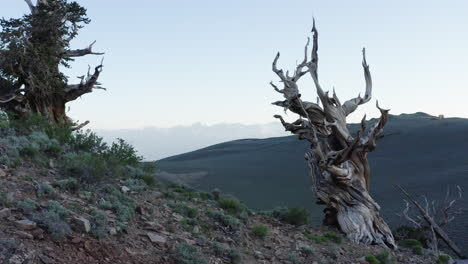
x=173 y=63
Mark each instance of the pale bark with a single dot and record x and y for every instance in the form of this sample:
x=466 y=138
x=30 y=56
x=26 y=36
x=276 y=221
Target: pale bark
x=337 y=160
x=432 y=221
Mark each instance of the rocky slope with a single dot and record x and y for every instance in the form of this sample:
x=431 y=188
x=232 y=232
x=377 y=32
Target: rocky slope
x=171 y=224
x=69 y=198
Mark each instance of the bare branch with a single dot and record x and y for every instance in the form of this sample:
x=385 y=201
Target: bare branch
x=376 y=132
x=82 y=52
x=407 y=217
x=313 y=64
x=425 y=215
x=85 y=86
x=31 y=6
x=80 y=126
x=352 y=104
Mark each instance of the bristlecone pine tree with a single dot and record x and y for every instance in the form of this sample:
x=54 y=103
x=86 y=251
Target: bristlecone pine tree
x=338 y=163
x=32 y=50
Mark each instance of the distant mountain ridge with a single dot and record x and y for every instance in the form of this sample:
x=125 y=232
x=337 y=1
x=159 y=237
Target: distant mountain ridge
x=155 y=143
x=420 y=152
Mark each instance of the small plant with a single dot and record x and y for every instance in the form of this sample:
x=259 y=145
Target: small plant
x=188 y=254
x=225 y=220
x=413 y=244
x=98 y=224
x=123 y=153
x=54 y=150
x=317 y=239
x=230 y=205
x=219 y=249
x=149 y=179
x=205 y=195
x=85 y=167
x=443 y=259
x=69 y=184
x=260 y=231
x=54 y=219
x=46 y=190
x=381 y=258
x=418 y=250
x=234 y=255
x=87 y=141
x=333 y=237
x=372 y=259
x=223 y=250
x=306 y=250
x=27 y=206
x=184 y=210
x=407 y=232
x=119 y=203
x=188 y=223
x=294 y=215
x=293 y=259
x=29 y=151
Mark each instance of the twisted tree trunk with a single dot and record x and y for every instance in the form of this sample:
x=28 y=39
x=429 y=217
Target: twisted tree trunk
x=30 y=76
x=338 y=164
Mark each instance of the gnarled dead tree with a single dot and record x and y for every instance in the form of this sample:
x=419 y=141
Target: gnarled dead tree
x=32 y=50
x=433 y=217
x=337 y=159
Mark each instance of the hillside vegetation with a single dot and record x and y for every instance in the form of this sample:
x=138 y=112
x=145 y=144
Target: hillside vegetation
x=423 y=154
x=70 y=198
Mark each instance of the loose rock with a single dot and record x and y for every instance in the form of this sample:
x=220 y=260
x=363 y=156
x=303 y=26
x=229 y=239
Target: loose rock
x=4 y=213
x=155 y=238
x=26 y=224
x=82 y=224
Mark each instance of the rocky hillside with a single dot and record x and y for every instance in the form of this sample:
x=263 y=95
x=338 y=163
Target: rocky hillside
x=68 y=198
x=422 y=153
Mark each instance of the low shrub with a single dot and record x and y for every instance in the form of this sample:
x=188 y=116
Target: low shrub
x=29 y=151
x=381 y=258
x=27 y=206
x=54 y=219
x=188 y=254
x=122 y=205
x=329 y=236
x=205 y=195
x=413 y=244
x=443 y=259
x=98 y=224
x=372 y=259
x=226 y=220
x=408 y=232
x=306 y=250
x=294 y=215
x=221 y=250
x=260 y=231
x=232 y=206
x=69 y=184
x=333 y=237
x=183 y=209
x=188 y=223
x=123 y=153
x=86 y=167
x=46 y=190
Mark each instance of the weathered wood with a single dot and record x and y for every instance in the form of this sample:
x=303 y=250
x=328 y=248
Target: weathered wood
x=32 y=81
x=338 y=164
x=434 y=226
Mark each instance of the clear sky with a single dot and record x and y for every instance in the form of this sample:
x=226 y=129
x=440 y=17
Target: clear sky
x=179 y=62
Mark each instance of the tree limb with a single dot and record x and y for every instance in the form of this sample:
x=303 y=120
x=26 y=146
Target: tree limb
x=80 y=126
x=31 y=5
x=82 y=52
x=85 y=86
x=441 y=233
x=352 y=104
